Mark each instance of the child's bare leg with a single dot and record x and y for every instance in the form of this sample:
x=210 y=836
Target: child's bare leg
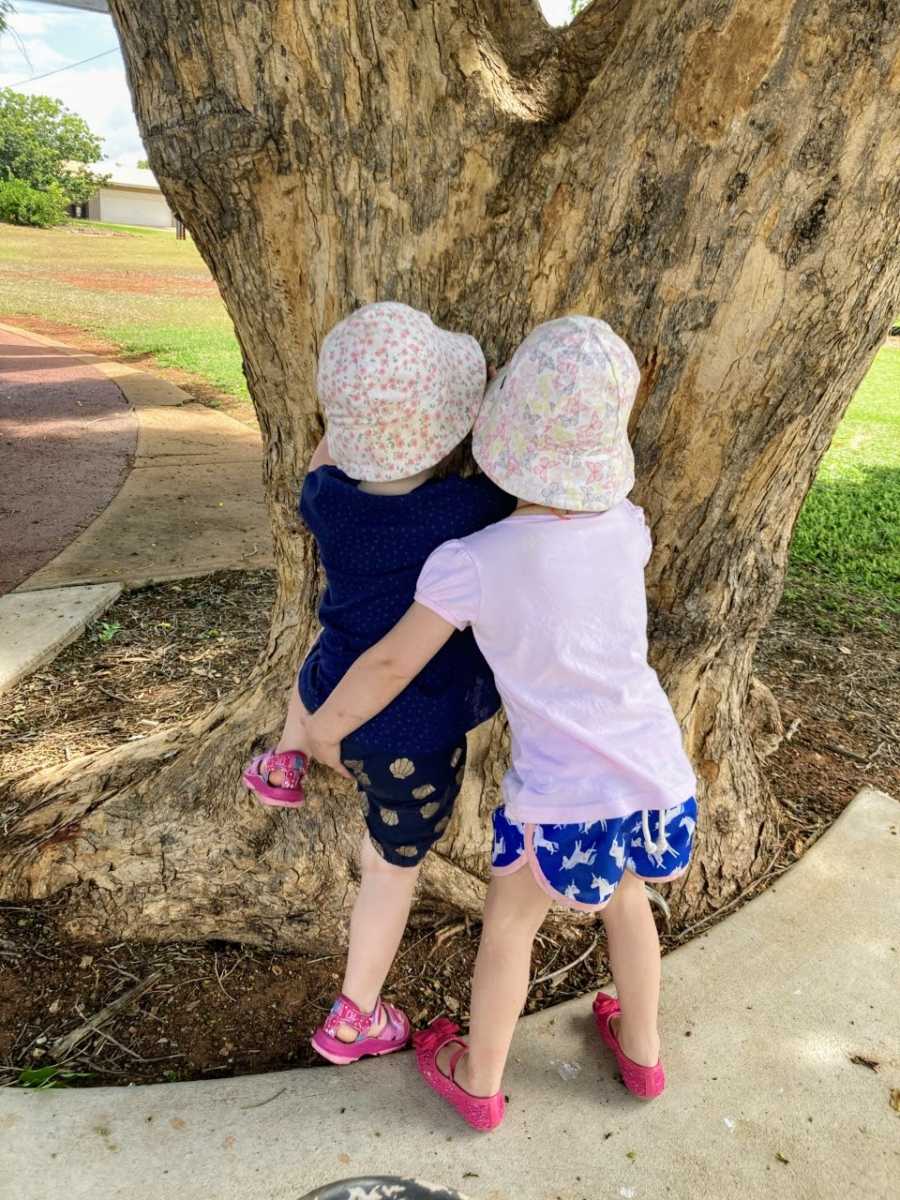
x=379 y=918
x=292 y=734
x=513 y=914
x=634 y=959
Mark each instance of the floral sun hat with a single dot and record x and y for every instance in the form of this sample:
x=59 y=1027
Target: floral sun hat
x=553 y=428
x=398 y=393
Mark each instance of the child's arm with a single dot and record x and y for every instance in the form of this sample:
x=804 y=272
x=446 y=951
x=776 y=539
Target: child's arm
x=321 y=456
x=374 y=680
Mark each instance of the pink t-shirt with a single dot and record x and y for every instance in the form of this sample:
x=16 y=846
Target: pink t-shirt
x=559 y=609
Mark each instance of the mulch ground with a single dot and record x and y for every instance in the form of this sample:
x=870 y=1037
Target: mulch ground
x=162 y=653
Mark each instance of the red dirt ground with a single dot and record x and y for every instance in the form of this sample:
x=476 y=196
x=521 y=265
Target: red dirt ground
x=167 y=285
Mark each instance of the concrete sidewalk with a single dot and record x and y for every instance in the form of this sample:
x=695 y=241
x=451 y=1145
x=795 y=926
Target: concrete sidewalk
x=761 y=1019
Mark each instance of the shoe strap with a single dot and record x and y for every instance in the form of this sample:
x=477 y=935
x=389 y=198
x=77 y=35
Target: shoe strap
x=292 y=764
x=345 y=1012
x=454 y=1061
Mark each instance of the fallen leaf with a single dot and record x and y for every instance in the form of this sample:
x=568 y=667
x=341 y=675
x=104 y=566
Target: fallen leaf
x=631 y=1154
x=861 y=1061
x=779 y=1157
x=895 y=1099
x=344 y=1159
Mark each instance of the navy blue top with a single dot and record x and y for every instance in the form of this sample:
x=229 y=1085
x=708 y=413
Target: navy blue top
x=372 y=549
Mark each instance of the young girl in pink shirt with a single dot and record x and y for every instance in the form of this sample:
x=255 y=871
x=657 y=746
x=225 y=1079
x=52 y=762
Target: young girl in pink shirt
x=599 y=796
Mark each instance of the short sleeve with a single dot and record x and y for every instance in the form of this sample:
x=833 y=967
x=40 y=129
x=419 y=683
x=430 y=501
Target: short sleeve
x=639 y=522
x=647 y=537
x=310 y=502
x=449 y=585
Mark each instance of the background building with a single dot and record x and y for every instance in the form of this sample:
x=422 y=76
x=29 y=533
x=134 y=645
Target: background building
x=131 y=196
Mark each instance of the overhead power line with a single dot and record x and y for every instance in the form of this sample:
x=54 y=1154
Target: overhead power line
x=67 y=67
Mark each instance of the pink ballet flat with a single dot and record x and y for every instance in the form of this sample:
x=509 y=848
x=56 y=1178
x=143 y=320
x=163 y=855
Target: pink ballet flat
x=393 y=1037
x=289 y=793
x=645 y=1082
x=481 y=1112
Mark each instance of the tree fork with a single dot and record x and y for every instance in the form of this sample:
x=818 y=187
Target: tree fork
x=715 y=177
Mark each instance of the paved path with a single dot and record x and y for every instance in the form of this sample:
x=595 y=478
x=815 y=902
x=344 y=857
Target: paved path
x=192 y=502
x=761 y=1018
x=67 y=438
x=77 y=525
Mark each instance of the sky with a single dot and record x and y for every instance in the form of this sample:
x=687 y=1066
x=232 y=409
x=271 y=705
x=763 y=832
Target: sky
x=43 y=38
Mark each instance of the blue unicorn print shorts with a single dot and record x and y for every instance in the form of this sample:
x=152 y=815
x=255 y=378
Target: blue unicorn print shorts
x=580 y=866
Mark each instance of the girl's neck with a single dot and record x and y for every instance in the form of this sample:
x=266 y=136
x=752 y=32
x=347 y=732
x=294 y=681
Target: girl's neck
x=527 y=509
x=396 y=487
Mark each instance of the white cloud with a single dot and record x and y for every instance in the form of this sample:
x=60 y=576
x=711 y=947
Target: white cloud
x=26 y=23
x=98 y=91
x=557 y=12
x=32 y=57
x=100 y=95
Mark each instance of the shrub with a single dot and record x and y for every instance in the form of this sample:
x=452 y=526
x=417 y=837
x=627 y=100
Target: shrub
x=21 y=204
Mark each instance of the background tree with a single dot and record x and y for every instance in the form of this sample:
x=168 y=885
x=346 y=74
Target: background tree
x=42 y=144
x=143 y=164
x=716 y=177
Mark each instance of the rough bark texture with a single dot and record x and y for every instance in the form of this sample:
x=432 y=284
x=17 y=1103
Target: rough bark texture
x=718 y=178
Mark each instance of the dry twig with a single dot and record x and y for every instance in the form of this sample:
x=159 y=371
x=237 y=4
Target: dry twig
x=64 y=1045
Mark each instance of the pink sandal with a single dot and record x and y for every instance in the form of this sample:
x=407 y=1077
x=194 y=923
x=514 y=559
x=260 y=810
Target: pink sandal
x=481 y=1112
x=645 y=1082
x=393 y=1037
x=289 y=793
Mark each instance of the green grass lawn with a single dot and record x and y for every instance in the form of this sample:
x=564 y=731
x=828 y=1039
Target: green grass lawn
x=143 y=289
x=152 y=294
x=849 y=528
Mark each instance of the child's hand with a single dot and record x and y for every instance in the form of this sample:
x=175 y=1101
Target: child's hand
x=323 y=750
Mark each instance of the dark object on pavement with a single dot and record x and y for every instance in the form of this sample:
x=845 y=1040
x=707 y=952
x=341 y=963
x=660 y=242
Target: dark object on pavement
x=382 y=1187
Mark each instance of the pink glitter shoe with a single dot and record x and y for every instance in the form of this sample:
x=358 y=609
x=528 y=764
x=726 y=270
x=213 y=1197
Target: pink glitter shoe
x=393 y=1037
x=483 y=1113
x=645 y=1082
x=293 y=765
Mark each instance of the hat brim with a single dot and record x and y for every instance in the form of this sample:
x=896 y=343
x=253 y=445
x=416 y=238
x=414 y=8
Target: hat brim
x=374 y=458
x=563 y=490
x=552 y=477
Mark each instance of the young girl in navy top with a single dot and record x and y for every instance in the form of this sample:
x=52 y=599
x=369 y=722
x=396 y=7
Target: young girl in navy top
x=600 y=793
x=399 y=395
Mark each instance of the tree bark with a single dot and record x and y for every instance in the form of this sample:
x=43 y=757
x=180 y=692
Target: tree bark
x=717 y=178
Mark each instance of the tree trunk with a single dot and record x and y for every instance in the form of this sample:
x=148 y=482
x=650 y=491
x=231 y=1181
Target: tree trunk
x=717 y=178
